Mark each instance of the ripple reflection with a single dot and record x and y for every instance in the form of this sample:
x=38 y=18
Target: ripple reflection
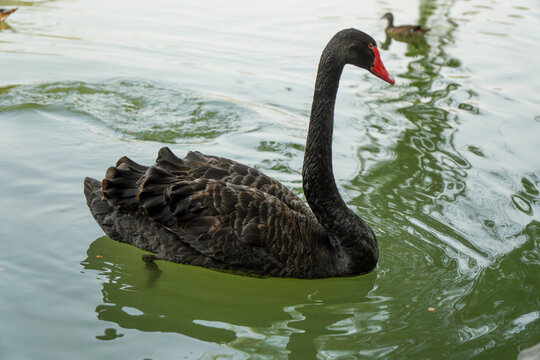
x=140 y=110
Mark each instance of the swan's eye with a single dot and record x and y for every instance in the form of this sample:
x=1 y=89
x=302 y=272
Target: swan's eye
x=370 y=46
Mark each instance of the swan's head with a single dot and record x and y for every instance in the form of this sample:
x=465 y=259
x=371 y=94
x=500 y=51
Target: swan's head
x=361 y=50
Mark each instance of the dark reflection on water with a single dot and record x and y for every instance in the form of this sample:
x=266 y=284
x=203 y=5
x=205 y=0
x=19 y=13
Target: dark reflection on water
x=274 y=318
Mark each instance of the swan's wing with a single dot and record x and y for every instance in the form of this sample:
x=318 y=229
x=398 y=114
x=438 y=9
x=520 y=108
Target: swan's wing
x=240 y=226
x=229 y=223
x=231 y=226
x=133 y=227
x=199 y=166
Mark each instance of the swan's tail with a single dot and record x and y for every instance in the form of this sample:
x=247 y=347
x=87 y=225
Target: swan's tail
x=113 y=201
x=93 y=194
x=121 y=183
x=99 y=207
x=126 y=182
x=131 y=203
x=126 y=226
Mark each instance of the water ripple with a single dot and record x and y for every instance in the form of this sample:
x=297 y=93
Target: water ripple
x=134 y=109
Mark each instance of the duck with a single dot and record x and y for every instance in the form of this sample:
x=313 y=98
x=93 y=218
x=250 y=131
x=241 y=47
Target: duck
x=217 y=213
x=402 y=30
x=5 y=13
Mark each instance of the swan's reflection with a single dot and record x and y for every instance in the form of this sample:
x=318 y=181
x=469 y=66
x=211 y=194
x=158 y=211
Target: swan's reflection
x=266 y=316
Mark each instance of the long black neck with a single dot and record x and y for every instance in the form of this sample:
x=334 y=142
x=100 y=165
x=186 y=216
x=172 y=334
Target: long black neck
x=318 y=177
x=348 y=233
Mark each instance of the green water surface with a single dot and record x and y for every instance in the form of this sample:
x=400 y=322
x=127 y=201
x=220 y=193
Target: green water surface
x=444 y=166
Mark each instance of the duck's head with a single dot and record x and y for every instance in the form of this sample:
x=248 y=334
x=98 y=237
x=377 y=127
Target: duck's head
x=388 y=16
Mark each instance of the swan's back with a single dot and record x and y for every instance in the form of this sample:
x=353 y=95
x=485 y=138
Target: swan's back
x=199 y=166
x=212 y=212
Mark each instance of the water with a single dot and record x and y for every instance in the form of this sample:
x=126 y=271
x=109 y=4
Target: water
x=444 y=166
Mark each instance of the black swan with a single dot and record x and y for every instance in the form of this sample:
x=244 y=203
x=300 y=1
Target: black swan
x=402 y=30
x=214 y=212
x=5 y=13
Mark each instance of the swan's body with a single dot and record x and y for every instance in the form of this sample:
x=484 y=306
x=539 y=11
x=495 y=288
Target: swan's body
x=217 y=213
x=4 y=13
x=402 y=30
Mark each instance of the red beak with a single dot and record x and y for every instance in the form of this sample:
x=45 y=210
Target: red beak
x=378 y=68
